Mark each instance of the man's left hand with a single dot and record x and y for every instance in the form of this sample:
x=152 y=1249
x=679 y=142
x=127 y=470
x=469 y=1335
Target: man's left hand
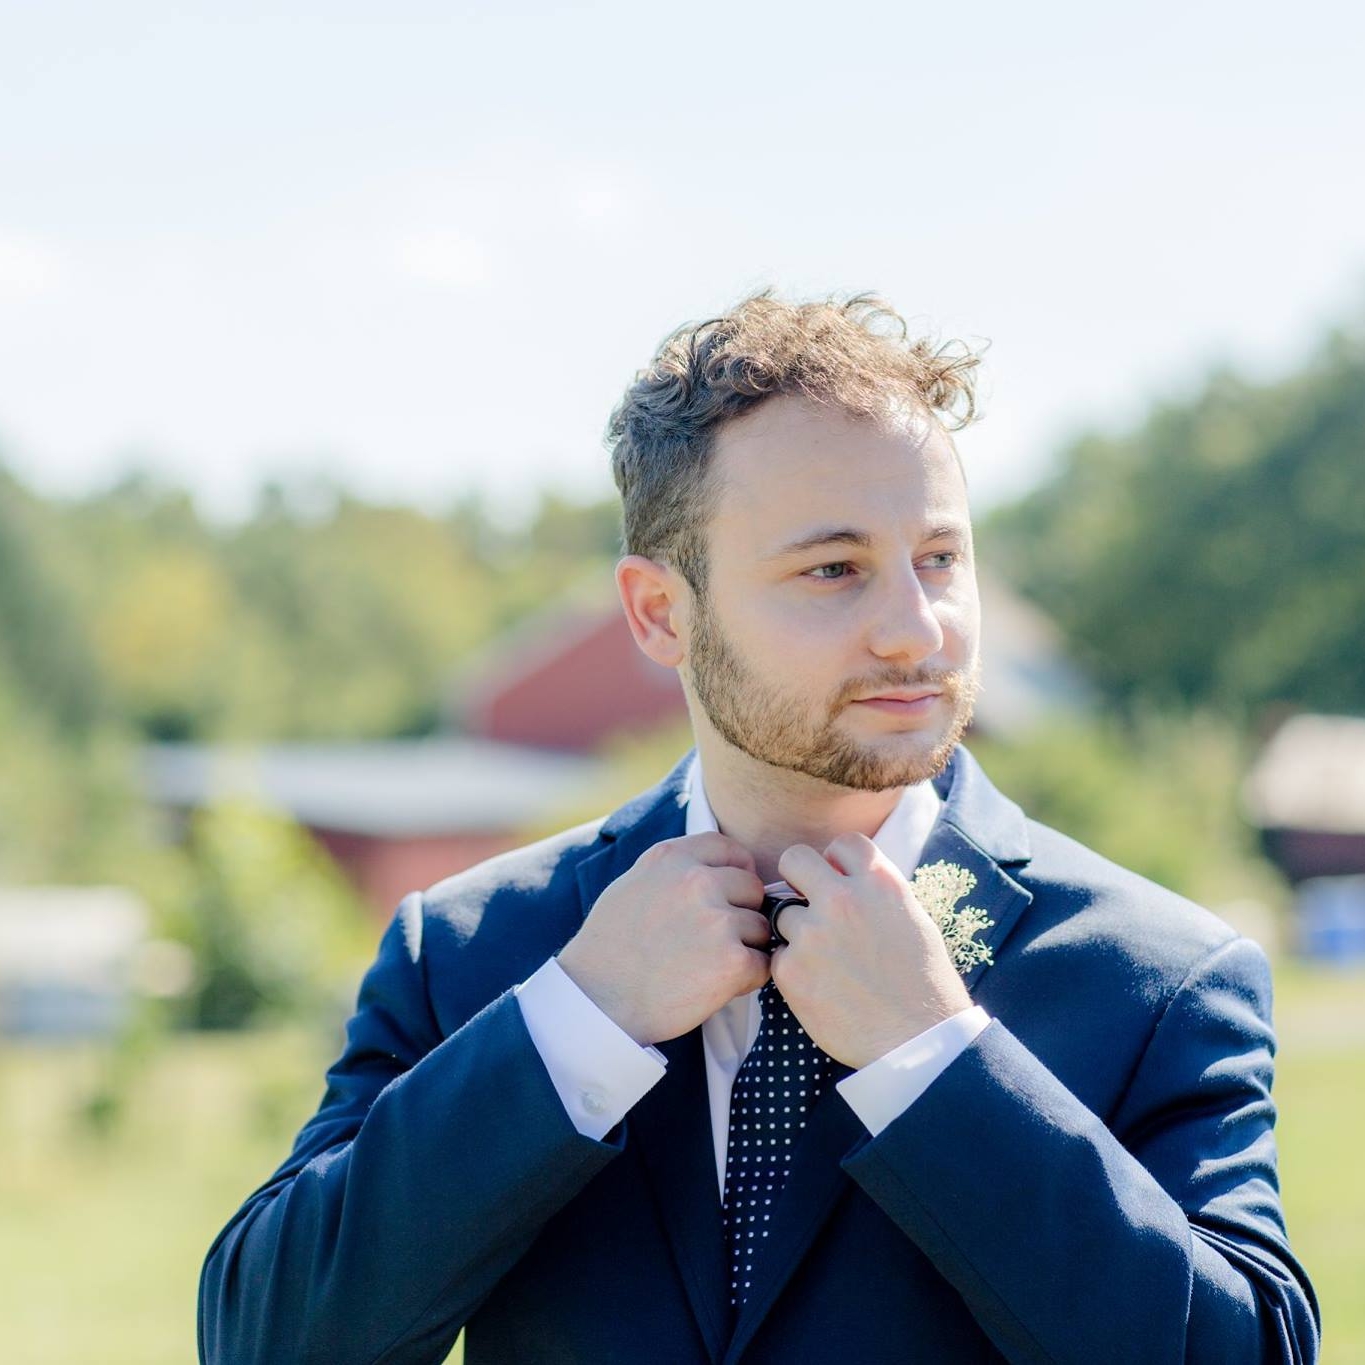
x=864 y=968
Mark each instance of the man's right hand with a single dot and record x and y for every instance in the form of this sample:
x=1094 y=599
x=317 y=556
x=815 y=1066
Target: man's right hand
x=675 y=938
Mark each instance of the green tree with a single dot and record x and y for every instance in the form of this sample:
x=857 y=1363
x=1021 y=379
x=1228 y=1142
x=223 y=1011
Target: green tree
x=1155 y=793
x=46 y=654
x=276 y=930
x=1216 y=555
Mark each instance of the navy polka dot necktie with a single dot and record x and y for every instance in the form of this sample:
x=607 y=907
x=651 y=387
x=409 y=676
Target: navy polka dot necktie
x=780 y=1080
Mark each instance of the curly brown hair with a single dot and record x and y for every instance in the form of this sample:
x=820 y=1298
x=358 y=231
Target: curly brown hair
x=855 y=354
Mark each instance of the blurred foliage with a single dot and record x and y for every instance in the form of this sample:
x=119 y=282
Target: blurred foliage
x=1156 y=793
x=319 y=616
x=1215 y=556
x=47 y=658
x=69 y=809
x=275 y=928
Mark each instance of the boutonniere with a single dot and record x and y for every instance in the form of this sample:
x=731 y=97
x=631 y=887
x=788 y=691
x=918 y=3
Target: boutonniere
x=938 y=887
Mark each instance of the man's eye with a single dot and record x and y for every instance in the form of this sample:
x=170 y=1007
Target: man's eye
x=830 y=572
x=945 y=559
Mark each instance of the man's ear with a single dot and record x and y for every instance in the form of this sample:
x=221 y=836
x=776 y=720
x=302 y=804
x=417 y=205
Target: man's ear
x=650 y=595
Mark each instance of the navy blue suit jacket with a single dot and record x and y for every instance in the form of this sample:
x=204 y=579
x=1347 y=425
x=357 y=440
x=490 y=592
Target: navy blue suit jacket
x=1093 y=1179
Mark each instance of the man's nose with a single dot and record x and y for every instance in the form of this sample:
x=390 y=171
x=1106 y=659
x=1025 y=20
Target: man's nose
x=903 y=624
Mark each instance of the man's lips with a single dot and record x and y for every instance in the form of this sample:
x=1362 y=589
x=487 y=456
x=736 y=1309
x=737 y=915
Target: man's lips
x=902 y=703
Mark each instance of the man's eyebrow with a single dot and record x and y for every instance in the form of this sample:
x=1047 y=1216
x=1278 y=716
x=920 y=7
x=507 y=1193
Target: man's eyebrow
x=853 y=535
x=825 y=535
x=950 y=530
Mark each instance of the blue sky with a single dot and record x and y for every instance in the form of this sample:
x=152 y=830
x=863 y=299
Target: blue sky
x=421 y=248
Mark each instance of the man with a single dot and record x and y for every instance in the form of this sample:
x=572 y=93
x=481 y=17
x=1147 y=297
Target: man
x=605 y=1100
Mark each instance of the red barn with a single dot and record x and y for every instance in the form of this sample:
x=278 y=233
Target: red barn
x=569 y=678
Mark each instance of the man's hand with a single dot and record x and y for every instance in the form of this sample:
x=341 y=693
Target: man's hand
x=675 y=938
x=865 y=969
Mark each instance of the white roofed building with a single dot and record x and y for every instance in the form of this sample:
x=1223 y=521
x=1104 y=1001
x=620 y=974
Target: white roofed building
x=70 y=959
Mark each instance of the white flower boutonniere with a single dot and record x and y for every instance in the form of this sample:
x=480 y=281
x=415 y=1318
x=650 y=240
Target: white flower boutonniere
x=938 y=887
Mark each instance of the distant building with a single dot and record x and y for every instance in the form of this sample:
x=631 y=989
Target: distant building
x=69 y=959
x=570 y=677
x=1305 y=793
x=397 y=814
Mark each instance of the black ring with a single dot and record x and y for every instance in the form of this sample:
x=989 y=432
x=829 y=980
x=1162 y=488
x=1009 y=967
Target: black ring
x=773 y=906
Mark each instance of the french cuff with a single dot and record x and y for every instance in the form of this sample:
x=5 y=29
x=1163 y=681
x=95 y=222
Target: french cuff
x=598 y=1070
x=883 y=1090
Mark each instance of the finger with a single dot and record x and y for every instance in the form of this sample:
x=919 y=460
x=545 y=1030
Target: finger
x=758 y=971
x=776 y=965
x=852 y=853
x=807 y=871
x=739 y=887
x=753 y=928
x=716 y=850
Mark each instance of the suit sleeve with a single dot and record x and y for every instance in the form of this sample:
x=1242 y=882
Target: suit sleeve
x=1158 y=1239
x=426 y=1173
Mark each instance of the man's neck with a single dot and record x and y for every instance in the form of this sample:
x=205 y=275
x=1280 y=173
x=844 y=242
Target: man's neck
x=769 y=809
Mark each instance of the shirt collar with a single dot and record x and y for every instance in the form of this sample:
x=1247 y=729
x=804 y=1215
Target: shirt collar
x=902 y=835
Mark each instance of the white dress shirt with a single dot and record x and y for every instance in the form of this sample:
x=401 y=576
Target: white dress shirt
x=599 y=1071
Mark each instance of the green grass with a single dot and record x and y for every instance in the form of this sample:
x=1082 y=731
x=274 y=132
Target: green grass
x=102 y=1232
x=1320 y=1092
x=106 y=1211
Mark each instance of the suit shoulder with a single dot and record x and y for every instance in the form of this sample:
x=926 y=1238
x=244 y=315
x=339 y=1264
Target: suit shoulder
x=505 y=896
x=531 y=866
x=534 y=874
x=477 y=933
x=1080 y=896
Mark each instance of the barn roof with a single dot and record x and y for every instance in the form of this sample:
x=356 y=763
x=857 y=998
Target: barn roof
x=392 y=788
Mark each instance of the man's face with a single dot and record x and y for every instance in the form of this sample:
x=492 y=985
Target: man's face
x=838 y=635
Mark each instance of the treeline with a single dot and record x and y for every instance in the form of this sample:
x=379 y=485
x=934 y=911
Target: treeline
x=1212 y=557
x=1215 y=556
x=319 y=616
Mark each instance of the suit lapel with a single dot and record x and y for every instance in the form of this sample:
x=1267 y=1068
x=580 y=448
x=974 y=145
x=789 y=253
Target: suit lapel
x=982 y=831
x=660 y=813
x=995 y=892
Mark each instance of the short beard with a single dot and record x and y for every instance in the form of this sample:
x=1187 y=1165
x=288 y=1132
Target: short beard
x=773 y=728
